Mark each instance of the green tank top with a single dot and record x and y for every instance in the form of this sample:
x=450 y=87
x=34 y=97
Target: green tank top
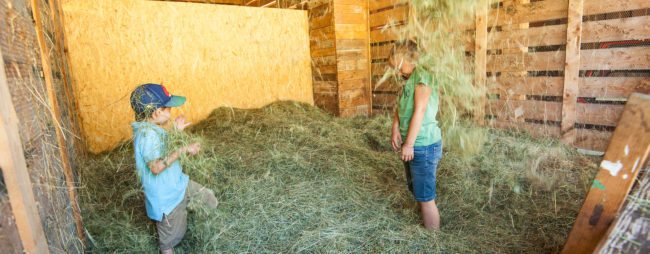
x=429 y=132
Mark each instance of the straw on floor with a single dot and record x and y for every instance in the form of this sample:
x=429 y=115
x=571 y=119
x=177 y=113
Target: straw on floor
x=291 y=178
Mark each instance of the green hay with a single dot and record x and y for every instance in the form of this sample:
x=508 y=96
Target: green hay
x=291 y=178
x=441 y=46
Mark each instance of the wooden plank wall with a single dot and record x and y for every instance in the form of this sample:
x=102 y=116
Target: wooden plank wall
x=525 y=70
x=352 y=57
x=607 y=71
x=37 y=129
x=322 y=42
x=385 y=19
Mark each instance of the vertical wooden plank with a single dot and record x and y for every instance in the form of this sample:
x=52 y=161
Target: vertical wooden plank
x=16 y=177
x=369 y=76
x=480 y=55
x=626 y=154
x=571 y=71
x=56 y=117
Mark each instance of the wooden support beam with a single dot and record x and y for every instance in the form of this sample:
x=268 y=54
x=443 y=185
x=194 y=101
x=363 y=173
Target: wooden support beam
x=626 y=154
x=56 y=118
x=16 y=177
x=571 y=71
x=480 y=56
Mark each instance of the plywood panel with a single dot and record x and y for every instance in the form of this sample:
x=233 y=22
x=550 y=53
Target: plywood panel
x=246 y=58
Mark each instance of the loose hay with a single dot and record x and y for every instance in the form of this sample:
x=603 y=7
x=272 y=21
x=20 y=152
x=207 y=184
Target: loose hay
x=291 y=178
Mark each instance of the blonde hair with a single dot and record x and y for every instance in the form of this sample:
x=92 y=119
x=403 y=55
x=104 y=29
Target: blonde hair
x=407 y=48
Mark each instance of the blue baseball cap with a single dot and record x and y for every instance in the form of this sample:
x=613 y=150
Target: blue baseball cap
x=152 y=96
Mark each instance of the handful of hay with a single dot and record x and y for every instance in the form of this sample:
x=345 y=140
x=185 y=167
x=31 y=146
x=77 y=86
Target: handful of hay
x=291 y=178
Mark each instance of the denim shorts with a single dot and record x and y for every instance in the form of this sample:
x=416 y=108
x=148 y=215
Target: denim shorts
x=421 y=171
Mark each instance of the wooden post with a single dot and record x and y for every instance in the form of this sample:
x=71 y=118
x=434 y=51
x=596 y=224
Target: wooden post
x=480 y=57
x=16 y=177
x=627 y=152
x=571 y=71
x=54 y=112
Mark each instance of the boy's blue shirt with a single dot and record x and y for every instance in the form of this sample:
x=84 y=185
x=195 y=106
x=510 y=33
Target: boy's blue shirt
x=162 y=192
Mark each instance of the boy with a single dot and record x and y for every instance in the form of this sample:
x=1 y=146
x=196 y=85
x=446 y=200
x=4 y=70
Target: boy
x=166 y=188
x=415 y=130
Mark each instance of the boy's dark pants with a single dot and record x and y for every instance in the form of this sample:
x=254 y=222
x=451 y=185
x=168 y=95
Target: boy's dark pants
x=173 y=226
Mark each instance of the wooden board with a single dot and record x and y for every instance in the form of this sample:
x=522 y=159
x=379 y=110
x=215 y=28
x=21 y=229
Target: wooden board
x=246 y=58
x=607 y=87
x=614 y=87
x=383 y=35
x=598 y=114
x=593 y=7
x=397 y=15
x=15 y=174
x=528 y=13
x=534 y=129
x=630 y=232
x=557 y=9
x=551 y=86
x=593 y=140
x=634 y=28
x=526 y=109
x=353 y=57
x=538 y=61
x=384 y=100
x=593 y=31
x=384 y=4
x=635 y=58
x=627 y=152
x=571 y=71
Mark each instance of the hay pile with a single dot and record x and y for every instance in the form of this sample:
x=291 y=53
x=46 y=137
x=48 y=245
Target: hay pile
x=291 y=178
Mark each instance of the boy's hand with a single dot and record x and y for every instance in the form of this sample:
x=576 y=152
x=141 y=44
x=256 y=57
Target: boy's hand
x=396 y=140
x=193 y=148
x=180 y=124
x=407 y=153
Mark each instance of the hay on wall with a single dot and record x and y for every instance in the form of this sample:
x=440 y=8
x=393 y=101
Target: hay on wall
x=215 y=55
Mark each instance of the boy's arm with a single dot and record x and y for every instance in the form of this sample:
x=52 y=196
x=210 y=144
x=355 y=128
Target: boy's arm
x=421 y=99
x=159 y=165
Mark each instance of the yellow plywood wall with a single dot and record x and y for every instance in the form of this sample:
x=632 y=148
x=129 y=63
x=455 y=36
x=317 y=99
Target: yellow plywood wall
x=215 y=55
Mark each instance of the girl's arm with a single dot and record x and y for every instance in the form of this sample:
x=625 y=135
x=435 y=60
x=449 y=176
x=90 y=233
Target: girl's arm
x=421 y=99
x=396 y=137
